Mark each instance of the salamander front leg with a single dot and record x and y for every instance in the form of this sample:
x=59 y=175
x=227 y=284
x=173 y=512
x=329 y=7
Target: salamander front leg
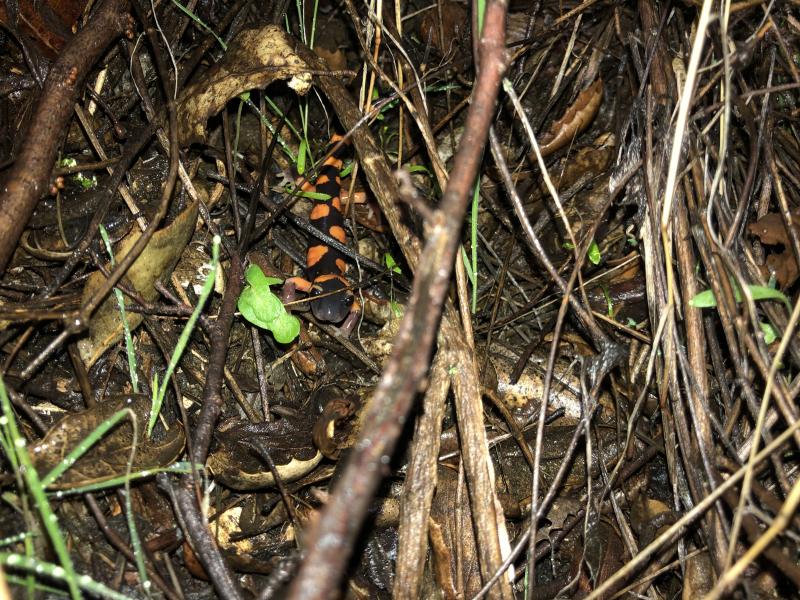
x=293 y=285
x=352 y=319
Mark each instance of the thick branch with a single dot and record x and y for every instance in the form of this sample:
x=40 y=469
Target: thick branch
x=28 y=179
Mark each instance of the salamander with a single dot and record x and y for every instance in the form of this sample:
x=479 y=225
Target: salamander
x=325 y=276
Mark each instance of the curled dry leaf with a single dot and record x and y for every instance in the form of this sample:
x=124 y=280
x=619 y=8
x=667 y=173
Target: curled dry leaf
x=235 y=463
x=108 y=458
x=771 y=231
x=255 y=59
x=575 y=120
x=156 y=261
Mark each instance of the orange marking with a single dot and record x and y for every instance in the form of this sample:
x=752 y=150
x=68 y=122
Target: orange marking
x=300 y=284
x=323 y=179
x=337 y=233
x=341 y=264
x=336 y=163
x=337 y=204
x=320 y=211
x=359 y=197
x=315 y=254
x=329 y=276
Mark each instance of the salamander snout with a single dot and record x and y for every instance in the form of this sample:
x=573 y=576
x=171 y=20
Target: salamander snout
x=336 y=301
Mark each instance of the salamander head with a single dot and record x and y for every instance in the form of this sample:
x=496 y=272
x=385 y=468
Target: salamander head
x=331 y=308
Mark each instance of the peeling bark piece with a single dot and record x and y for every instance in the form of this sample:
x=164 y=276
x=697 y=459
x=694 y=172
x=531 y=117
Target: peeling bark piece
x=575 y=120
x=255 y=59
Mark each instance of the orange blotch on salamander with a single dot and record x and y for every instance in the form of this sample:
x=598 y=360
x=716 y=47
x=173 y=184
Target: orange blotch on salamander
x=315 y=254
x=334 y=162
x=322 y=180
x=320 y=211
x=337 y=233
x=341 y=265
x=337 y=204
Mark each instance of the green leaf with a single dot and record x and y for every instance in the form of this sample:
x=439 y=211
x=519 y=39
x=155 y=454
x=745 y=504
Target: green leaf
x=770 y=335
x=255 y=277
x=397 y=309
x=260 y=307
x=418 y=169
x=85 y=182
x=263 y=308
x=704 y=299
x=568 y=246
x=593 y=254
x=244 y=96
x=760 y=292
x=391 y=263
x=285 y=328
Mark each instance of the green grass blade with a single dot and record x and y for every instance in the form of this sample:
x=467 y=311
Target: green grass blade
x=11 y=560
x=132 y=366
x=183 y=340
x=33 y=483
x=179 y=468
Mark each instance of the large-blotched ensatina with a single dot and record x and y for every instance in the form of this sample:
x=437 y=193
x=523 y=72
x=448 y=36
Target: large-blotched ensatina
x=328 y=288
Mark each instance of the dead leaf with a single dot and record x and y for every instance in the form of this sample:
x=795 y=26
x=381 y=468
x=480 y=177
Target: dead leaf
x=784 y=266
x=255 y=59
x=155 y=262
x=699 y=577
x=108 y=458
x=455 y=27
x=335 y=58
x=48 y=22
x=771 y=231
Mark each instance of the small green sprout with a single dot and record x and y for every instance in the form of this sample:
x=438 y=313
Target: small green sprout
x=609 y=301
x=391 y=264
x=593 y=254
x=770 y=335
x=397 y=309
x=86 y=182
x=259 y=305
